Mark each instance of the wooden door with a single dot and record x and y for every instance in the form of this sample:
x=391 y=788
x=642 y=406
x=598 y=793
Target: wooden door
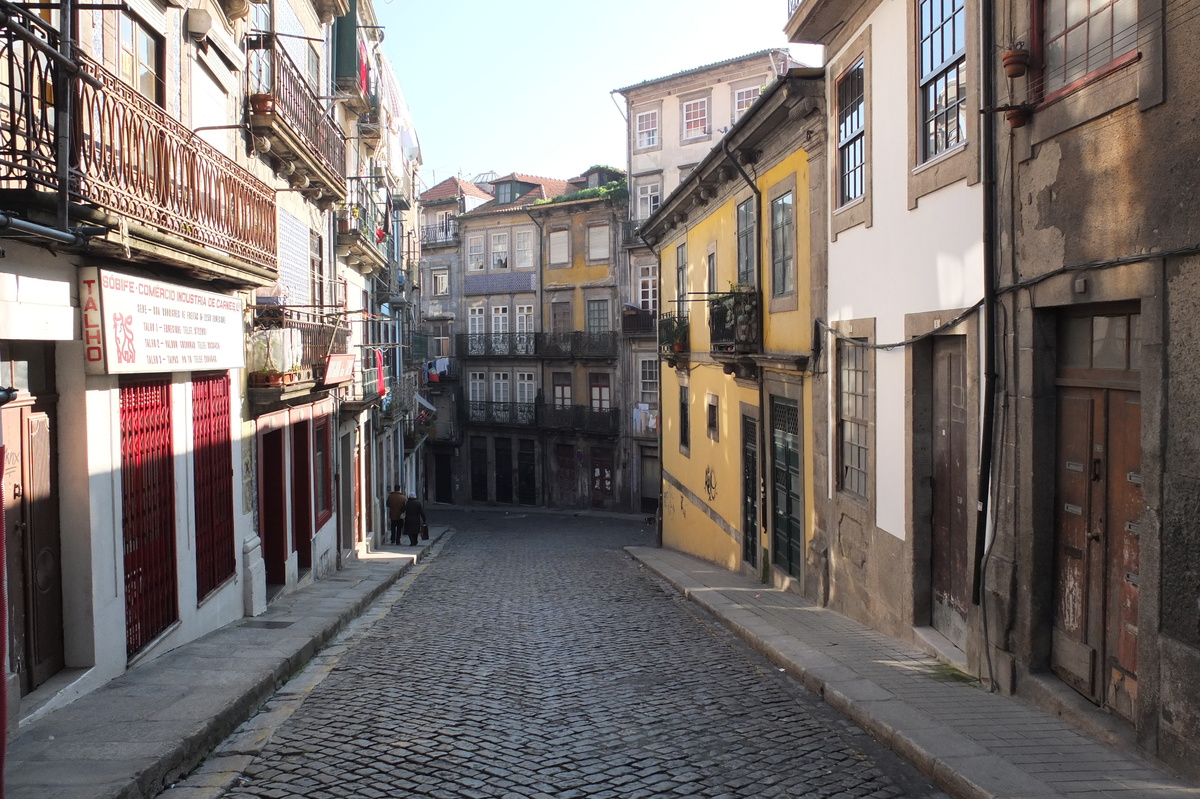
x=603 y=489
x=749 y=491
x=273 y=522
x=950 y=565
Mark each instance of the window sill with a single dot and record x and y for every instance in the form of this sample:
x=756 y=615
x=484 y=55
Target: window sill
x=850 y=206
x=1088 y=79
x=942 y=157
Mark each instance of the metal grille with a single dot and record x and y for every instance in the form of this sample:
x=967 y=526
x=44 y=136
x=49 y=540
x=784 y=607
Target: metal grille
x=853 y=418
x=215 y=559
x=148 y=512
x=787 y=532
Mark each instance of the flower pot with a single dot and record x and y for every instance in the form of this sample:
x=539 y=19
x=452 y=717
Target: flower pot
x=1017 y=117
x=262 y=103
x=679 y=346
x=1016 y=62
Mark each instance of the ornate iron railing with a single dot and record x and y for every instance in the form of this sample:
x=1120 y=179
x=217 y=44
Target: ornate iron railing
x=584 y=418
x=363 y=217
x=733 y=322
x=444 y=233
x=128 y=157
x=637 y=320
x=579 y=344
x=673 y=332
x=523 y=414
x=274 y=75
x=486 y=345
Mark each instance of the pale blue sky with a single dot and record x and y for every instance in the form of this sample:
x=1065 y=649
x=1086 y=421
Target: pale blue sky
x=523 y=86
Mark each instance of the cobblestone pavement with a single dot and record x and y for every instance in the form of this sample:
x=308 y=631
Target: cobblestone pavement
x=531 y=657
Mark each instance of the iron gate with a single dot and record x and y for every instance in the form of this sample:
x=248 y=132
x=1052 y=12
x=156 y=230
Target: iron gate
x=148 y=512
x=213 y=482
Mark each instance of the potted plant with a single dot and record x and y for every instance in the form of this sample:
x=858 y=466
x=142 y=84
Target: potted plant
x=1015 y=60
x=262 y=103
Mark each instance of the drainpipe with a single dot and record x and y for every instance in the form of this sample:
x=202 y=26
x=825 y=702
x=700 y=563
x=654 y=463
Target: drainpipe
x=987 y=139
x=764 y=565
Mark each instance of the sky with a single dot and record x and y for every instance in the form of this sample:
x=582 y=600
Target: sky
x=524 y=86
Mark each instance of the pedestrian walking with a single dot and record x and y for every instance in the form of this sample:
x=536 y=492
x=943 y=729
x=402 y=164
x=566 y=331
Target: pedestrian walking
x=395 y=507
x=414 y=521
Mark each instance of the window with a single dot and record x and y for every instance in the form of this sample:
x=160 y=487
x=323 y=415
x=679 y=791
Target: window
x=649 y=381
x=695 y=118
x=475 y=320
x=524 y=318
x=504 y=193
x=648 y=199
x=712 y=417
x=597 y=242
x=943 y=74
x=745 y=242
x=441 y=282
x=647 y=129
x=475 y=252
x=597 y=316
x=500 y=387
x=783 y=245
x=712 y=272
x=500 y=319
x=440 y=343
x=648 y=287
x=560 y=247
x=851 y=134
x=499 y=251
x=743 y=99
x=140 y=58
x=601 y=391
x=560 y=317
x=321 y=293
x=477 y=387
x=681 y=279
x=562 y=389
x=1083 y=36
x=524 y=248
x=526 y=389
x=852 y=417
x=685 y=425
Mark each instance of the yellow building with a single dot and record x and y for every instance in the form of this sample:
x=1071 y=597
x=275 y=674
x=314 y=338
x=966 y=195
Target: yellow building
x=736 y=253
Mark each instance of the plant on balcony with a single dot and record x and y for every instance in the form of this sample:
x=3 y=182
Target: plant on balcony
x=733 y=320
x=262 y=103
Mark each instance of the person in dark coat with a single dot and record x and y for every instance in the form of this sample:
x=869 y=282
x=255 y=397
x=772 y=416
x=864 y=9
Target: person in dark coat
x=395 y=508
x=414 y=519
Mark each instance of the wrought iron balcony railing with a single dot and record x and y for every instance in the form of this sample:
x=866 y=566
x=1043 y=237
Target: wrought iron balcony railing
x=490 y=345
x=442 y=233
x=128 y=157
x=284 y=108
x=583 y=418
x=522 y=414
x=733 y=322
x=360 y=224
x=579 y=344
x=637 y=321
x=673 y=334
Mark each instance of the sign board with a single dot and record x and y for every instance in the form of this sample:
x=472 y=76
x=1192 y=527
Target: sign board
x=135 y=325
x=339 y=369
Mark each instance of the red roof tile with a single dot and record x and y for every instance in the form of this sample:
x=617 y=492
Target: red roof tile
x=453 y=187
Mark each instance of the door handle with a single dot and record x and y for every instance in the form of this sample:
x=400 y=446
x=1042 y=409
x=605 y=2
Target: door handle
x=1093 y=536
x=1096 y=470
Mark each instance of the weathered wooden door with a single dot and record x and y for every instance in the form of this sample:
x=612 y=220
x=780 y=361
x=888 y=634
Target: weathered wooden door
x=33 y=546
x=787 y=506
x=749 y=491
x=950 y=569
x=603 y=483
x=1098 y=507
x=273 y=520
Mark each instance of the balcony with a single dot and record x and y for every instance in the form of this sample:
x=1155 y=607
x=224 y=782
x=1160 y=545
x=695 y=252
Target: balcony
x=637 y=322
x=442 y=370
x=733 y=323
x=287 y=350
x=493 y=345
x=361 y=238
x=129 y=162
x=442 y=234
x=674 y=338
x=581 y=418
x=306 y=144
x=579 y=344
x=519 y=414
x=363 y=392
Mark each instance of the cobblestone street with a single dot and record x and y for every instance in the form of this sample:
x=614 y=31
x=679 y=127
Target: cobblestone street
x=531 y=657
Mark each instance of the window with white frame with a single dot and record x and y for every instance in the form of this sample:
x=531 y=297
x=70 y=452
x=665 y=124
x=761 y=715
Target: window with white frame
x=746 y=238
x=851 y=133
x=649 y=195
x=712 y=417
x=562 y=389
x=140 y=61
x=505 y=193
x=499 y=251
x=441 y=282
x=648 y=287
x=500 y=387
x=695 y=118
x=1083 y=36
x=524 y=318
x=524 y=248
x=943 y=59
x=597 y=316
x=500 y=319
x=526 y=387
x=600 y=387
x=743 y=99
x=475 y=253
x=647 y=129
x=477 y=387
x=783 y=245
x=712 y=272
x=560 y=247
x=597 y=242
x=475 y=317
x=440 y=345
x=649 y=382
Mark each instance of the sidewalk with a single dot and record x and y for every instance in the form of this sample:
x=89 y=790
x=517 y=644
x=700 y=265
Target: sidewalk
x=141 y=731
x=971 y=743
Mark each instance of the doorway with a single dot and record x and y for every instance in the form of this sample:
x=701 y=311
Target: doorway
x=526 y=472
x=273 y=508
x=1098 y=507
x=950 y=574
x=504 y=471
x=302 y=520
x=787 y=530
x=443 y=477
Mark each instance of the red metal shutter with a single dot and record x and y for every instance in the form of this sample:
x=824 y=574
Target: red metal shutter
x=148 y=512
x=213 y=457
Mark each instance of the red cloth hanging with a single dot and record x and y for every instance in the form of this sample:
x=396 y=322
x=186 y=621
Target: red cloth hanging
x=379 y=372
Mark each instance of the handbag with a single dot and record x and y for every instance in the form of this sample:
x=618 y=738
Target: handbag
x=424 y=531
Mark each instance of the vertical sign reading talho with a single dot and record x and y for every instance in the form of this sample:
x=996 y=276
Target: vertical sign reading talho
x=134 y=325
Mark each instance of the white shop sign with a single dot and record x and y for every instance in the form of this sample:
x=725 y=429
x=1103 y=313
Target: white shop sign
x=135 y=325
